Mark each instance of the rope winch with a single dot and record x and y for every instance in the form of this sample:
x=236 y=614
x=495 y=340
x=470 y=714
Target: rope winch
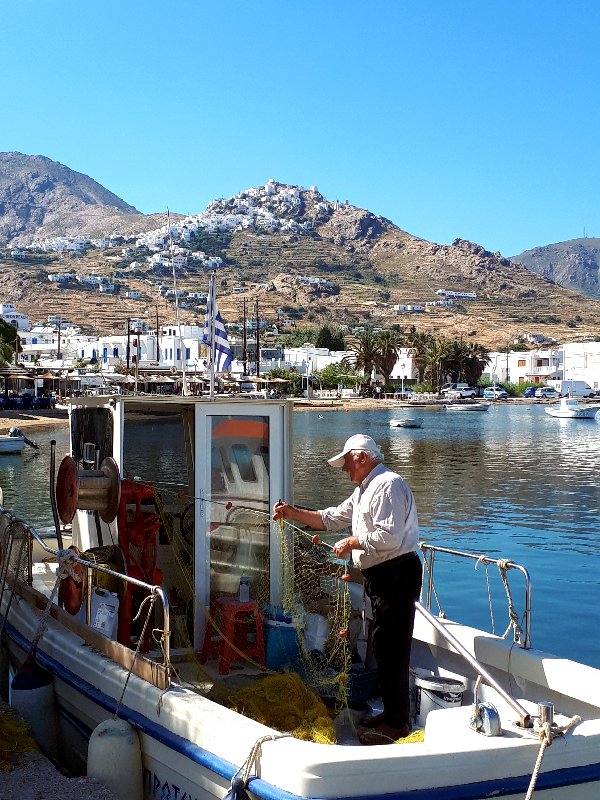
x=88 y=489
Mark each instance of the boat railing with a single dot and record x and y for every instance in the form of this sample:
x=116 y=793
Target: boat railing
x=152 y=590
x=521 y=632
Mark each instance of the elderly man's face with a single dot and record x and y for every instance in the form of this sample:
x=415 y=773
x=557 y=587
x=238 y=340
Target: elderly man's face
x=357 y=465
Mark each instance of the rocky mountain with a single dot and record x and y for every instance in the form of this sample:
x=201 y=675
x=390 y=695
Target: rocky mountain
x=274 y=241
x=574 y=264
x=40 y=198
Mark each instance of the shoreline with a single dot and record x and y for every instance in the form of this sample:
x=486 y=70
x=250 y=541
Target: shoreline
x=27 y=420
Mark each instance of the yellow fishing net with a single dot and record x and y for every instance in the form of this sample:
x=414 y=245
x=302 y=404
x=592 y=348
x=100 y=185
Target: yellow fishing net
x=309 y=639
x=14 y=738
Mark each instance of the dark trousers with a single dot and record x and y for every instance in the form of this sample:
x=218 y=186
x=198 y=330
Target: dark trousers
x=393 y=588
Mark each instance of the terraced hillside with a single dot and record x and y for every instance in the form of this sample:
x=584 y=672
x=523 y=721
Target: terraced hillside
x=268 y=238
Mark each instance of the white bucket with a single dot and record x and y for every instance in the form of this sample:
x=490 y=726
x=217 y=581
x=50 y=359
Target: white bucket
x=316 y=631
x=436 y=692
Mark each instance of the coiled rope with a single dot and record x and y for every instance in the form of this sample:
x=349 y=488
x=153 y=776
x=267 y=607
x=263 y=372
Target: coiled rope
x=547 y=733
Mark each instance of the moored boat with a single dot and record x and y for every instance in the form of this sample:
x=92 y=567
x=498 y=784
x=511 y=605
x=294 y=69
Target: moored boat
x=473 y=406
x=14 y=442
x=176 y=544
x=570 y=408
x=405 y=422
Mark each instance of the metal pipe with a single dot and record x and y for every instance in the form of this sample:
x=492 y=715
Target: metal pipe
x=524 y=717
x=53 y=494
x=484 y=560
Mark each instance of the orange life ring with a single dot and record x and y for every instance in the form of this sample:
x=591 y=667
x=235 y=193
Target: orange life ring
x=70 y=593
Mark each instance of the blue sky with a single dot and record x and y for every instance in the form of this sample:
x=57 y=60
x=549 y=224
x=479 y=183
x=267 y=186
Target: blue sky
x=452 y=118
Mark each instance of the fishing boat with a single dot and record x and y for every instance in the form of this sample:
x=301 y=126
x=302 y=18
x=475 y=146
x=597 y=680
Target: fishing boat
x=14 y=442
x=405 y=422
x=180 y=602
x=570 y=408
x=470 y=407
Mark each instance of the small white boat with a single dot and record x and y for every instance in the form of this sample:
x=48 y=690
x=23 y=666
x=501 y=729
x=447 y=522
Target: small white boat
x=467 y=407
x=570 y=408
x=405 y=422
x=14 y=441
x=11 y=444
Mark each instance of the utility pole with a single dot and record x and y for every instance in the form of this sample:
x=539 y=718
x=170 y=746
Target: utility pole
x=157 y=337
x=58 y=345
x=244 y=340
x=257 y=343
x=127 y=351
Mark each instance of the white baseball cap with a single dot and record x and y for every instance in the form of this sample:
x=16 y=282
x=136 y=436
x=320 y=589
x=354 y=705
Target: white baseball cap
x=357 y=442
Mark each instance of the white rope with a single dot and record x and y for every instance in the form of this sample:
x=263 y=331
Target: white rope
x=150 y=599
x=547 y=733
x=66 y=569
x=514 y=618
x=243 y=774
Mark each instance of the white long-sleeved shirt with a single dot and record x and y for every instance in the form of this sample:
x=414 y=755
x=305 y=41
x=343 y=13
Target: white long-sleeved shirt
x=383 y=516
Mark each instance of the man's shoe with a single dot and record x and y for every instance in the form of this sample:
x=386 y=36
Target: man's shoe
x=372 y=721
x=384 y=734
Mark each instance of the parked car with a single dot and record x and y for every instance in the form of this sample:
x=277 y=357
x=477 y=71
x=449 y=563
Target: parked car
x=494 y=393
x=456 y=390
x=530 y=391
x=546 y=393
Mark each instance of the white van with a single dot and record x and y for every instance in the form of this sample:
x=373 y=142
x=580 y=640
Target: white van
x=573 y=388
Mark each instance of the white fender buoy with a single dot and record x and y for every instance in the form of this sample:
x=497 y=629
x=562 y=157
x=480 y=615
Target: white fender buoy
x=115 y=758
x=32 y=695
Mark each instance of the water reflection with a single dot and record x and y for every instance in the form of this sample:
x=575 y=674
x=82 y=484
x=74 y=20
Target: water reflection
x=512 y=482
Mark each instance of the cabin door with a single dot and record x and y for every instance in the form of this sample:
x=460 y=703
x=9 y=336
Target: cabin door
x=243 y=465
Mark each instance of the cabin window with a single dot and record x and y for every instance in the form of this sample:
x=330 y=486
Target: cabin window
x=243 y=459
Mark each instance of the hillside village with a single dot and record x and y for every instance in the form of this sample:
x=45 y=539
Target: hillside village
x=289 y=258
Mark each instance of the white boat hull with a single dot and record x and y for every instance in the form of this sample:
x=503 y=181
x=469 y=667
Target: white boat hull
x=11 y=444
x=571 y=409
x=468 y=407
x=194 y=746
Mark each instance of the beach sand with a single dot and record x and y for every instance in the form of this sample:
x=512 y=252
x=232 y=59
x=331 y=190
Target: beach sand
x=27 y=420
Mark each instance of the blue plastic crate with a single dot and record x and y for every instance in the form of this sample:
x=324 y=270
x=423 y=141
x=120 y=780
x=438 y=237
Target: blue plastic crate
x=281 y=639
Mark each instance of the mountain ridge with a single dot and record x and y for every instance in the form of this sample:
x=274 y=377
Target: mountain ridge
x=270 y=236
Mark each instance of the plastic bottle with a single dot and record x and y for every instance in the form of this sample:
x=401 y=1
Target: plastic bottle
x=244 y=595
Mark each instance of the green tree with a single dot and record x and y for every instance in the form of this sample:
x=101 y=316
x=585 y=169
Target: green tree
x=365 y=345
x=332 y=340
x=388 y=347
x=9 y=340
x=342 y=372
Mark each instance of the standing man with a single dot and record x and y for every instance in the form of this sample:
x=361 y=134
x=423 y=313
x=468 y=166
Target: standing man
x=383 y=517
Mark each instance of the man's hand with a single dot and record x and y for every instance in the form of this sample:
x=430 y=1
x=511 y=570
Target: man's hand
x=281 y=510
x=344 y=547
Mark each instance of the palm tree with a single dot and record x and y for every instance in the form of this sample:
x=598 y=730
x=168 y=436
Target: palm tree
x=388 y=346
x=478 y=357
x=419 y=343
x=365 y=345
x=435 y=356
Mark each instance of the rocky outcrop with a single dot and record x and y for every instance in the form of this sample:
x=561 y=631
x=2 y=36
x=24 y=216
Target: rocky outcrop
x=40 y=197
x=574 y=264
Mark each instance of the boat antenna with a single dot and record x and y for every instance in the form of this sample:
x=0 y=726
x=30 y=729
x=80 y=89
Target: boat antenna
x=184 y=388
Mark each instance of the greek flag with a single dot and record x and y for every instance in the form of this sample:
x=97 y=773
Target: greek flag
x=218 y=343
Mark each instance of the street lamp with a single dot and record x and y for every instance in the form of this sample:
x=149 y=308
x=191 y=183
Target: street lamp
x=403 y=367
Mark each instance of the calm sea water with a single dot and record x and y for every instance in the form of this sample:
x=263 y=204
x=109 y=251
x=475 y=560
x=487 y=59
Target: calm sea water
x=512 y=483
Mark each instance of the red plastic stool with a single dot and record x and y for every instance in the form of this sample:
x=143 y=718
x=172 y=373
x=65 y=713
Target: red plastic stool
x=229 y=622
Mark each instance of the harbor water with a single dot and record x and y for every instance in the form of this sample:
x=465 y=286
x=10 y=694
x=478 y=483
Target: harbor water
x=511 y=482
